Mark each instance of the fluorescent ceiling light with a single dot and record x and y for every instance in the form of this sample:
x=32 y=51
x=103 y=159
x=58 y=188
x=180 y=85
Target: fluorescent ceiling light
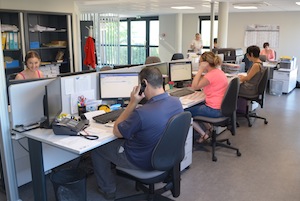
x=298 y=3
x=249 y=5
x=245 y=7
x=183 y=7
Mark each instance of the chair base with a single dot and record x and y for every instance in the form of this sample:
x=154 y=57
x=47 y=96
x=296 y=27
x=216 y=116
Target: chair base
x=254 y=115
x=149 y=193
x=144 y=196
x=220 y=143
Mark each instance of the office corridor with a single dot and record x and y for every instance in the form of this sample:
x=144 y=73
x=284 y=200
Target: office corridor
x=268 y=169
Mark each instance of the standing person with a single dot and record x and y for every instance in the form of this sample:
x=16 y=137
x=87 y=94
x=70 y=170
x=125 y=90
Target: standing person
x=268 y=52
x=215 y=43
x=197 y=44
x=32 y=62
x=214 y=84
x=138 y=130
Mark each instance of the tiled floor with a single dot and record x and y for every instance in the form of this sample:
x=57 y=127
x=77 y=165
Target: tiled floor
x=268 y=169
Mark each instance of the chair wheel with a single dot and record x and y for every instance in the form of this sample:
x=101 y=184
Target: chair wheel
x=214 y=159
x=228 y=142
x=249 y=125
x=238 y=153
x=266 y=122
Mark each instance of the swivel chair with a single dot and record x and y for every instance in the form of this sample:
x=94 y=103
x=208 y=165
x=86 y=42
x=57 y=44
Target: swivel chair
x=177 y=56
x=166 y=158
x=228 y=109
x=259 y=97
x=152 y=59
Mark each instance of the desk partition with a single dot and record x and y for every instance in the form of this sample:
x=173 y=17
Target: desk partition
x=26 y=101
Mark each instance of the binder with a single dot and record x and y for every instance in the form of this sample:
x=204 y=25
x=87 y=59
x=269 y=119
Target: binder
x=3 y=40
x=15 y=41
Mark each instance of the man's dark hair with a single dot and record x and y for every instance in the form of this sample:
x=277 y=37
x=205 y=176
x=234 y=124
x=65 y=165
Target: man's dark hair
x=254 y=50
x=152 y=75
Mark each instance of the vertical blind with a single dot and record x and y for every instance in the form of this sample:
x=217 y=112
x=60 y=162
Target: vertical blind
x=106 y=35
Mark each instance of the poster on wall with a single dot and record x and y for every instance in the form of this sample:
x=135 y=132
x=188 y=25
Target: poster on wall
x=259 y=34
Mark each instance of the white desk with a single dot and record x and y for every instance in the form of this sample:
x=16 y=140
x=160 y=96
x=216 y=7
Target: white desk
x=74 y=144
x=77 y=145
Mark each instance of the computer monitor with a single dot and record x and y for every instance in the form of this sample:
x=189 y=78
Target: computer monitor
x=117 y=85
x=52 y=102
x=179 y=72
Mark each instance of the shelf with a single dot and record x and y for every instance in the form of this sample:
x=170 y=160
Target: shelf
x=48 y=48
x=8 y=50
x=56 y=31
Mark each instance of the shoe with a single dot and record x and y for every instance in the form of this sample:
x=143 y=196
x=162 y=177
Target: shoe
x=204 y=138
x=106 y=195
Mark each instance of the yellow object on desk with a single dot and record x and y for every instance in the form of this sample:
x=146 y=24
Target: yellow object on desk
x=105 y=108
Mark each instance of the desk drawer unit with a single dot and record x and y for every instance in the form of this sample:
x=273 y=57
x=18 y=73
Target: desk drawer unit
x=289 y=79
x=187 y=160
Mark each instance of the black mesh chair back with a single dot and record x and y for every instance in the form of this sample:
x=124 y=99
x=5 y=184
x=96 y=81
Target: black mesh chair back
x=177 y=56
x=262 y=87
x=229 y=103
x=170 y=148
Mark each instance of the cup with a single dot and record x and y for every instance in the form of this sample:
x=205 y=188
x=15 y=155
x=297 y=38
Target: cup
x=81 y=110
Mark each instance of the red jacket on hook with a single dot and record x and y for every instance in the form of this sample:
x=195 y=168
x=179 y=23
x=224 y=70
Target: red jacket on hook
x=89 y=49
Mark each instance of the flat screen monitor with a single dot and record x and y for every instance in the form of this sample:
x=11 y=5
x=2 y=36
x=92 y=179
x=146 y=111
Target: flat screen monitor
x=180 y=71
x=117 y=85
x=52 y=102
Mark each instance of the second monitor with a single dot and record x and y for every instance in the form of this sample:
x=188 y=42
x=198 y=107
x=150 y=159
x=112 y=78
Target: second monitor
x=116 y=85
x=179 y=72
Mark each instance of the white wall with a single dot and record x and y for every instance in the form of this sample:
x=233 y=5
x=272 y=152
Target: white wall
x=288 y=22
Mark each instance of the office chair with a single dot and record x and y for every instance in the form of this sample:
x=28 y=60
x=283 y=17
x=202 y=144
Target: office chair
x=228 y=109
x=259 y=98
x=152 y=59
x=105 y=68
x=177 y=56
x=166 y=158
x=263 y=58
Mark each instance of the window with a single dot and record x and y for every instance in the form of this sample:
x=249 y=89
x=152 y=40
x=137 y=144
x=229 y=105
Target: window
x=205 y=30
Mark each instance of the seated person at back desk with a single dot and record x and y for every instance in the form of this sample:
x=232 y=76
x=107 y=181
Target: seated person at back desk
x=138 y=130
x=214 y=84
x=249 y=82
x=268 y=52
x=32 y=62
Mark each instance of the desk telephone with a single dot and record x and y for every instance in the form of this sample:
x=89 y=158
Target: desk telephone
x=68 y=127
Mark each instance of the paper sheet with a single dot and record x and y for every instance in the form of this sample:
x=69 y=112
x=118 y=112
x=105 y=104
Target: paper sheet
x=89 y=94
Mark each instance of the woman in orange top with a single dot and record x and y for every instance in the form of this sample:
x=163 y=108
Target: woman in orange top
x=214 y=84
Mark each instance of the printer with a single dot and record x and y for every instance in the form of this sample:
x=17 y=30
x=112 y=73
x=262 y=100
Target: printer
x=288 y=63
x=231 y=55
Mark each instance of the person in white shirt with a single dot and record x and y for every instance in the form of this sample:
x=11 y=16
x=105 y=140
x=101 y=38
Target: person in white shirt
x=197 y=44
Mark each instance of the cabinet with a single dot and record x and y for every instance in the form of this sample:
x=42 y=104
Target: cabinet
x=12 y=34
x=288 y=77
x=49 y=35
x=188 y=149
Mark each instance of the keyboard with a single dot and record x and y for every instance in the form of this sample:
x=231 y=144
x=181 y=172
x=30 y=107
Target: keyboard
x=109 y=116
x=182 y=92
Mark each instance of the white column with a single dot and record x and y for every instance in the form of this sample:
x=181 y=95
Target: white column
x=223 y=24
x=6 y=149
x=179 y=32
x=212 y=19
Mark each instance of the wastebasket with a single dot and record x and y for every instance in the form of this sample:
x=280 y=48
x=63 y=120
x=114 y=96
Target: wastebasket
x=276 y=87
x=69 y=185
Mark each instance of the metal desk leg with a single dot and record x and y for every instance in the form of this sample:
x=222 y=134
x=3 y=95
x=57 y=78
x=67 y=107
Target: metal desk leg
x=37 y=170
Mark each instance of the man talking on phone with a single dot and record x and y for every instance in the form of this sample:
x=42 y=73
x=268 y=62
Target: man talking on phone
x=138 y=130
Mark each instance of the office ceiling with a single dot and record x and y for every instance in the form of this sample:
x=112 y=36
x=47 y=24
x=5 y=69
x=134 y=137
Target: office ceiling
x=135 y=8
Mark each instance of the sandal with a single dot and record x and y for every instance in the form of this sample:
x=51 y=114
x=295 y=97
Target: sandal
x=203 y=138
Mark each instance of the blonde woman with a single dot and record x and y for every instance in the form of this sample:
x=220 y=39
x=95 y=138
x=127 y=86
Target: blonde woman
x=197 y=44
x=214 y=84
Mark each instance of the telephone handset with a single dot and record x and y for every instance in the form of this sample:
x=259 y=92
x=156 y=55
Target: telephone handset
x=143 y=86
x=68 y=127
